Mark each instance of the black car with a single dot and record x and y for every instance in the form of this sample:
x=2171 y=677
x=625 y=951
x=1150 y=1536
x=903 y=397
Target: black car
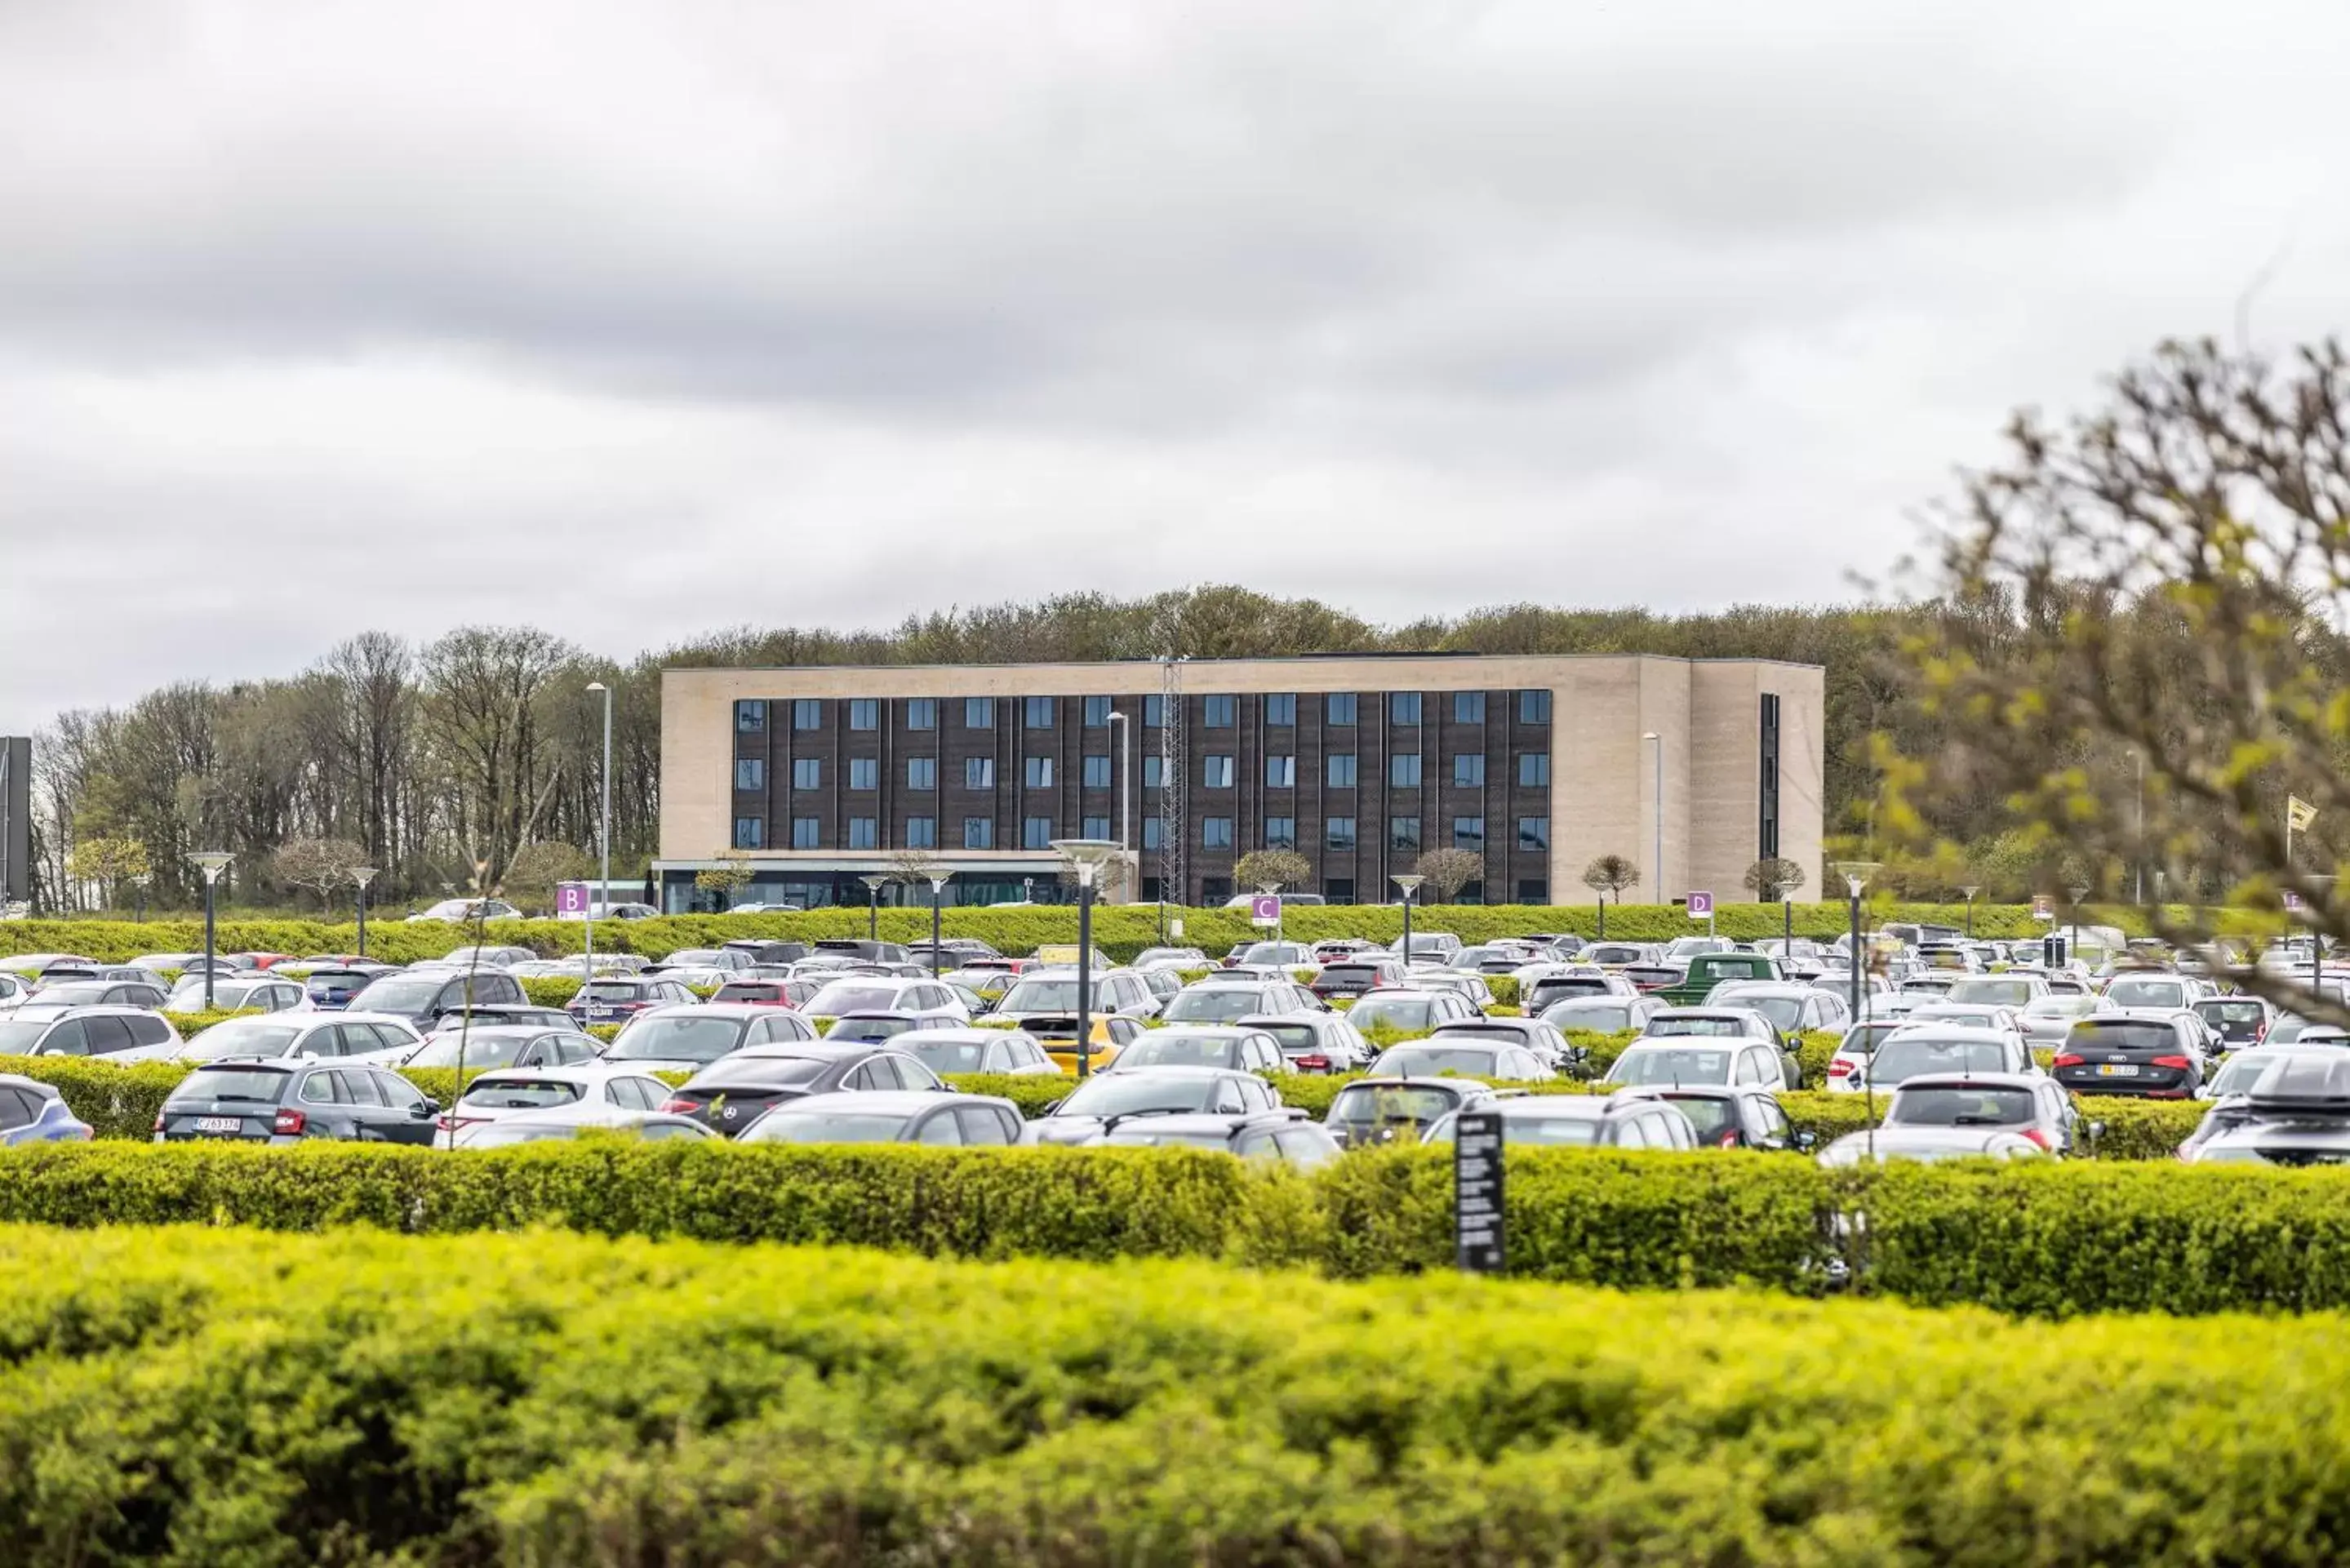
x=2122 y=1053
x=1400 y=1110
x=278 y=1101
x=1738 y=1116
x=616 y=999
x=1553 y=988
x=424 y=998
x=736 y=1090
x=1354 y=976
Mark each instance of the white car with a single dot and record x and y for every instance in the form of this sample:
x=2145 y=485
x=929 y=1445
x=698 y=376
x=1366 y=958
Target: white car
x=1943 y=1048
x=1701 y=1060
x=932 y=1001
x=375 y=1037
x=1848 y=1068
x=456 y=911
x=259 y=992
x=513 y=1091
x=1314 y=1042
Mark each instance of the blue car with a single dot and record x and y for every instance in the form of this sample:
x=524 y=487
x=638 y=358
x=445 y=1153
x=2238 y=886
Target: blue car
x=33 y=1111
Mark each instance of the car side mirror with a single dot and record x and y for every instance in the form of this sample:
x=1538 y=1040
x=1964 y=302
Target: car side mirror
x=1807 y=1141
x=1054 y=1106
x=430 y=1107
x=2097 y=1129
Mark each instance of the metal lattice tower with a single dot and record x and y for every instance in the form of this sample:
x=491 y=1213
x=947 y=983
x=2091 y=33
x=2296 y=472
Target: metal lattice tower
x=1171 y=886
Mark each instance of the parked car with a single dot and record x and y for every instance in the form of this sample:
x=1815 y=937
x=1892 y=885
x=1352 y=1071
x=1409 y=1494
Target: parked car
x=1548 y=1045
x=458 y=911
x=2237 y=1021
x=55 y=997
x=1744 y=1115
x=1729 y=1059
x=108 y=1032
x=331 y=989
x=1793 y=1007
x=33 y=1111
x=505 y=1045
x=316 y=1036
x=1582 y=984
x=1411 y=1012
x=1709 y=966
x=620 y=999
x=493 y=955
x=1627 y=1119
x=1171 y=957
x=1473 y=988
x=1285 y=1134
x=1314 y=1042
x=285 y=1100
x=1179 y=1045
x=2047 y=1019
x=1919 y=1049
x=2157 y=1055
x=425 y=999
x=1848 y=1068
x=1603 y=1014
x=1222 y=1001
x=1011 y=1051
x=924 y=999
x=1047 y=994
x=2030 y=1107
x=1931 y=1143
x=232 y=995
x=725 y=961
x=688 y=1039
x=580 y=1116
x=1354 y=976
x=758 y=993
x=1440 y=1054
x=941 y=1119
x=732 y=1093
x=1101 y=1103
x=1381 y=1110
x=509 y=1091
x=2014 y=991
x=2154 y=992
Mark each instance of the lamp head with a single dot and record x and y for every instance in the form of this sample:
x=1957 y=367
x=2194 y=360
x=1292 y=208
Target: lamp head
x=939 y=884
x=211 y=862
x=1971 y=892
x=598 y=686
x=1409 y=884
x=1857 y=874
x=2079 y=891
x=1087 y=855
x=874 y=883
x=363 y=874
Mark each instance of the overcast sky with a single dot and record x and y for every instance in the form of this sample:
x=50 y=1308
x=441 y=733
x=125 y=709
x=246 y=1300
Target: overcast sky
x=634 y=320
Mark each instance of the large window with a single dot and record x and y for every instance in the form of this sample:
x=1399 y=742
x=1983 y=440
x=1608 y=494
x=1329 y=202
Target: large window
x=1038 y=773
x=1154 y=831
x=1340 y=769
x=865 y=712
x=1280 y=709
x=1036 y=713
x=1216 y=772
x=1533 y=889
x=863 y=832
x=807 y=713
x=864 y=773
x=921 y=712
x=1280 y=773
x=921 y=833
x=1766 y=838
x=750 y=833
x=750 y=773
x=1468 y=707
x=979 y=773
x=1098 y=772
x=1403 y=707
x=1533 y=707
x=1534 y=832
x=921 y=772
x=1469 y=769
x=1403 y=833
x=1217 y=712
x=1036 y=833
x=1154 y=711
x=1534 y=769
x=1095 y=827
x=1216 y=833
x=1096 y=712
x=1154 y=771
x=808 y=833
x=1403 y=770
x=1469 y=833
x=979 y=833
x=1281 y=833
x=807 y=773
x=750 y=714
x=979 y=713
x=1338 y=832
x=1338 y=707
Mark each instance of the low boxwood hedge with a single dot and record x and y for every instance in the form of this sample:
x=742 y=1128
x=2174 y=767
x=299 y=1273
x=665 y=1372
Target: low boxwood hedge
x=231 y=1398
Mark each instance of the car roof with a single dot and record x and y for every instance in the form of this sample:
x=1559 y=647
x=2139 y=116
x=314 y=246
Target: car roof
x=18 y=1081
x=1173 y=1070
x=1670 y=1013
x=814 y=1050
x=1206 y=1031
x=1969 y=1081
x=597 y=1071
x=1487 y=1026
x=898 y=1102
x=1949 y=1030
x=953 y=1034
x=1400 y=1080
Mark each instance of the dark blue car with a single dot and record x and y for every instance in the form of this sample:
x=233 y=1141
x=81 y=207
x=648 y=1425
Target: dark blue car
x=33 y=1111
x=332 y=989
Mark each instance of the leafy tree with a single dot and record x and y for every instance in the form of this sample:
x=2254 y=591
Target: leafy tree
x=536 y=869
x=1275 y=868
x=109 y=862
x=1774 y=876
x=1446 y=872
x=321 y=865
x=1611 y=873
x=729 y=876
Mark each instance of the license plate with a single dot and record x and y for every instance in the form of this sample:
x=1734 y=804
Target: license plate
x=220 y=1124
x=2117 y=1070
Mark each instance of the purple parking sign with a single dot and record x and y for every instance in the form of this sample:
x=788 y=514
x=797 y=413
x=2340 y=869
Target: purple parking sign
x=571 y=898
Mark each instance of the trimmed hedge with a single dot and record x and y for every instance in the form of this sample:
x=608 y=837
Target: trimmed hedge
x=490 y=1398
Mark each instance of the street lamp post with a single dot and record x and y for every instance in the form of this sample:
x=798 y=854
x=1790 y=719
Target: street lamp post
x=1657 y=867
x=140 y=882
x=873 y=906
x=2317 y=941
x=211 y=863
x=603 y=828
x=1970 y=893
x=1856 y=874
x=938 y=892
x=1089 y=856
x=1787 y=927
x=2079 y=891
x=2137 y=848
x=361 y=876
x=1410 y=885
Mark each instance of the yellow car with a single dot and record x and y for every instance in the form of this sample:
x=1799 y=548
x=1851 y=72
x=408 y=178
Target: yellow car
x=1111 y=1034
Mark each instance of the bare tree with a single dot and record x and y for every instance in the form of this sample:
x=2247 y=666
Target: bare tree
x=537 y=867
x=1773 y=878
x=1611 y=873
x=321 y=865
x=1273 y=869
x=1446 y=872
x=915 y=867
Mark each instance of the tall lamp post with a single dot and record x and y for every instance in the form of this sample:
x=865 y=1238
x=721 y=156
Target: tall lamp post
x=211 y=863
x=2137 y=846
x=1657 y=867
x=937 y=893
x=2079 y=891
x=603 y=828
x=1787 y=925
x=1410 y=885
x=1970 y=893
x=1089 y=856
x=2317 y=940
x=1857 y=875
x=873 y=906
x=360 y=877
x=140 y=882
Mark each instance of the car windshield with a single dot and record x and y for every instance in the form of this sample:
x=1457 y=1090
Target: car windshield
x=72 y=994
x=611 y=991
x=2121 y=1034
x=1598 y=1020
x=851 y=996
x=2058 y=1006
x=748 y=990
x=676 y=1037
x=1993 y=991
x=1373 y=1104
x=2231 y=1011
x=1430 y=1060
x=1783 y=1011
x=227 y=994
x=1352 y=974
x=1057 y=994
x=692 y=955
x=255 y=1084
x=1410 y=1013
x=238 y=1037
x=1566 y=985
x=1899 y=1059
x=825 y=1126
x=520 y=1094
x=2141 y=991
x=943 y=1056
x=1710 y=1028
x=1295 y=1039
x=1952 y=1105
x=1711 y=1115
x=1119 y=1094
x=1670 y=1064
x=1217 y=1005
x=1864 y=1038
x=1174 y=1048
x=17 y=1039
x=482 y=1050
x=400 y=994
x=870 y=1028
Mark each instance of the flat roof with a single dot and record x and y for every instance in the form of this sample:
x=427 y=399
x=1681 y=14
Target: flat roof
x=1230 y=658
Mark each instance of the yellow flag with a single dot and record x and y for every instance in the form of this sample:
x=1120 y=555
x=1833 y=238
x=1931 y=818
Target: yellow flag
x=2299 y=813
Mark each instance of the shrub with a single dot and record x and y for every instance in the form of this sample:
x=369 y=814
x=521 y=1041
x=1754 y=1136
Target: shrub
x=551 y=991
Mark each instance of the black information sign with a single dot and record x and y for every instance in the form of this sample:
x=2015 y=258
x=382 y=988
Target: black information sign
x=1477 y=1191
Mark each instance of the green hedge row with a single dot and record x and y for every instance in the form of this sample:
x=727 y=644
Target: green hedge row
x=225 y=1397
x=1120 y=931
x=2051 y=1240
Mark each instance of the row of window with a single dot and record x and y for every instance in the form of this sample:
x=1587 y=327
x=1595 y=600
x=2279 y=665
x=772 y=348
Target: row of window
x=1217 y=712
x=1216 y=772
x=1216 y=833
